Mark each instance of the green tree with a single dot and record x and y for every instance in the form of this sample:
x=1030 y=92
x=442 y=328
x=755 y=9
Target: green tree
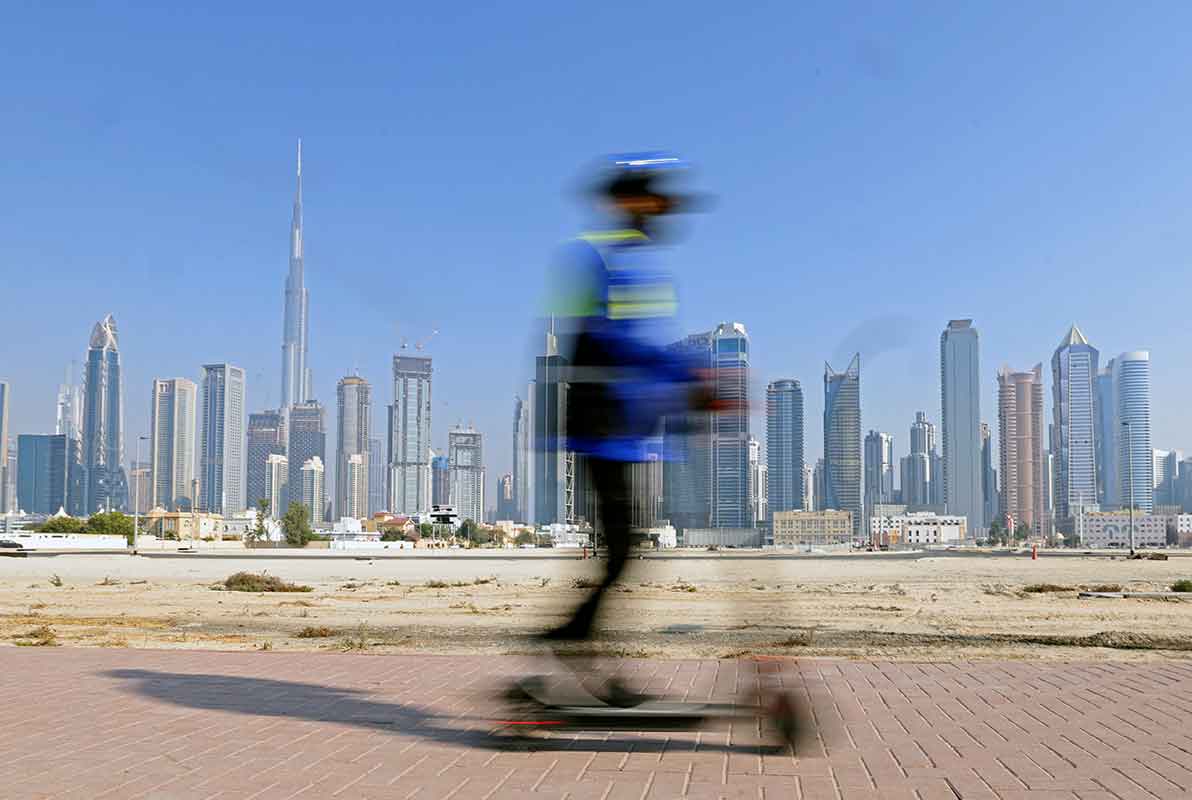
x=526 y=537
x=1022 y=532
x=475 y=534
x=295 y=525
x=111 y=523
x=62 y=525
x=426 y=530
x=259 y=533
x=997 y=532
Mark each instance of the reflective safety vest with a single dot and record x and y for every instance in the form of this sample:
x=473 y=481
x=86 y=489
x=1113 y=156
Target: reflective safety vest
x=632 y=287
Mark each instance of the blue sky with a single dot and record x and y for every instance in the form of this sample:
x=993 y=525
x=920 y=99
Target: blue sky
x=880 y=168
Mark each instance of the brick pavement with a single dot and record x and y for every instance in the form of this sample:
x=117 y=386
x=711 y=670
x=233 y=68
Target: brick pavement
x=90 y=724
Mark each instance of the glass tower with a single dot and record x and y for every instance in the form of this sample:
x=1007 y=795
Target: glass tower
x=842 y=440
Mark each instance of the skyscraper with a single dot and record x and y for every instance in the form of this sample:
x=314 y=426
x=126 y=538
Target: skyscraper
x=522 y=459
x=879 y=470
x=221 y=446
x=69 y=407
x=355 y=500
x=4 y=402
x=440 y=480
x=266 y=437
x=1132 y=388
x=920 y=466
x=295 y=374
x=988 y=475
x=842 y=440
x=409 y=435
x=354 y=424
x=277 y=484
x=784 y=446
x=730 y=428
x=466 y=454
x=687 y=468
x=43 y=472
x=1073 y=441
x=1106 y=436
x=960 y=401
x=105 y=484
x=554 y=466
x=307 y=439
x=313 y=493
x=376 y=476
x=808 y=489
x=1020 y=422
x=646 y=487
x=506 y=508
x=172 y=443
x=1167 y=467
x=759 y=484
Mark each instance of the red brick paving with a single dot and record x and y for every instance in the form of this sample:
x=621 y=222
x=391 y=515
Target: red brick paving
x=273 y=726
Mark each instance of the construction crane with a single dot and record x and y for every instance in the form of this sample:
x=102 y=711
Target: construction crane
x=421 y=343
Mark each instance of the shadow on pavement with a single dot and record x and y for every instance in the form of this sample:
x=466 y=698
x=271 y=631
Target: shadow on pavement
x=314 y=702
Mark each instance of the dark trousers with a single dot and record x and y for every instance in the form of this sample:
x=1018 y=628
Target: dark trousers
x=610 y=479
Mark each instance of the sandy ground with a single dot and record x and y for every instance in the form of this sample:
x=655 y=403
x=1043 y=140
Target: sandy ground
x=930 y=608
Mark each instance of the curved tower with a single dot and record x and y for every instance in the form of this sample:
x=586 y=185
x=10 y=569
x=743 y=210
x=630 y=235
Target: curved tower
x=103 y=436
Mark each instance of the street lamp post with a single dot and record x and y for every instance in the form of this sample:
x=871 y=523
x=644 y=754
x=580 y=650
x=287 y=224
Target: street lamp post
x=1130 y=467
x=136 y=496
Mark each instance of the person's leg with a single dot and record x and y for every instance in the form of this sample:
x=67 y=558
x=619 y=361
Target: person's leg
x=609 y=478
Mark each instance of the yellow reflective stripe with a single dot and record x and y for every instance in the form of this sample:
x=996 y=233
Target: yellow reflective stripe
x=625 y=302
x=612 y=236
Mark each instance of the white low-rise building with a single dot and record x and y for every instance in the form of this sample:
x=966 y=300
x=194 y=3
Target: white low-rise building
x=1112 y=529
x=917 y=528
x=562 y=535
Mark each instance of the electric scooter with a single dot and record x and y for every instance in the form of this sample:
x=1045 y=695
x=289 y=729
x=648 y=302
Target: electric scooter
x=543 y=704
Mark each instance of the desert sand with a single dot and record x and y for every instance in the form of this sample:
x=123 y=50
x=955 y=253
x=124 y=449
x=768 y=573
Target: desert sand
x=929 y=607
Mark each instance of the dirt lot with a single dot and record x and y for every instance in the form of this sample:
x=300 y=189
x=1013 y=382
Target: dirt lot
x=875 y=607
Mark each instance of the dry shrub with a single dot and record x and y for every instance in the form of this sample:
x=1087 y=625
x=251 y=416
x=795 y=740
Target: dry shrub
x=252 y=582
x=316 y=632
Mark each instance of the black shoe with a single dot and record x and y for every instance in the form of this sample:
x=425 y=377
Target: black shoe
x=621 y=696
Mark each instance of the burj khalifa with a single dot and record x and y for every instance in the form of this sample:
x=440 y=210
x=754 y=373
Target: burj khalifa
x=295 y=375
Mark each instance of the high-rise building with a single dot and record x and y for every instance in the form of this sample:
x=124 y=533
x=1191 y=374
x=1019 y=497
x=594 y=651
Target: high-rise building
x=646 y=494
x=4 y=403
x=819 y=481
x=759 y=484
x=295 y=344
x=1135 y=462
x=1106 y=436
x=44 y=464
x=140 y=486
x=808 y=489
x=506 y=507
x=730 y=429
x=172 y=443
x=266 y=437
x=355 y=500
x=69 y=407
x=409 y=435
x=277 y=484
x=842 y=440
x=221 y=444
x=1167 y=470
x=960 y=402
x=10 y=475
x=687 y=467
x=920 y=467
x=313 y=494
x=1073 y=440
x=105 y=484
x=354 y=423
x=879 y=470
x=523 y=445
x=1020 y=423
x=376 y=476
x=440 y=480
x=465 y=451
x=307 y=435
x=554 y=465
x=988 y=475
x=784 y=447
